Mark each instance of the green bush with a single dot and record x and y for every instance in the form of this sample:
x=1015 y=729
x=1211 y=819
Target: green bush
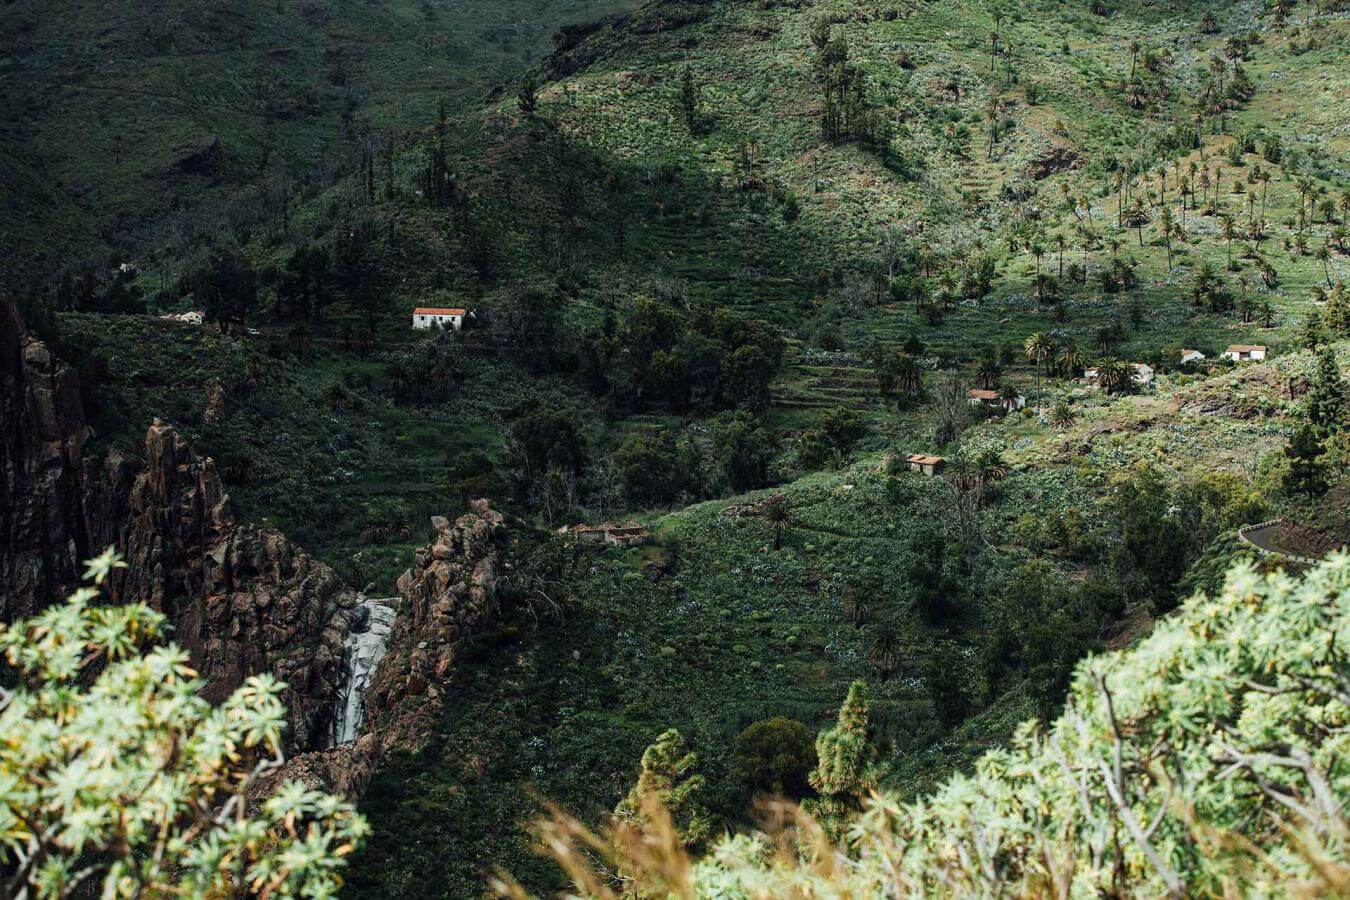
x=115 y=772
x=774 y=756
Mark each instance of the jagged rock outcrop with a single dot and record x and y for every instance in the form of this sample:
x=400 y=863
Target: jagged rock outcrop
x=42 y=436
x=243 y=599
x=449 y=595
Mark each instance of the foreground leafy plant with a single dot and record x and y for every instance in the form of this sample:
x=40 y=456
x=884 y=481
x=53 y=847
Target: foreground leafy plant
x=114 y=770
x=1213 y=759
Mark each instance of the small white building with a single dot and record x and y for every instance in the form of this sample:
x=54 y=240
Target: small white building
x=437 y=317
x=985 y=397
x=928 y=465
x=1245 y=352
x=1190 y=356
x=191 y=317
x=1143 y=374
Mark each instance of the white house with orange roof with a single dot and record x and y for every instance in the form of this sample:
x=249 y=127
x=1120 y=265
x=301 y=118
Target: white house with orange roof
x=437 y=317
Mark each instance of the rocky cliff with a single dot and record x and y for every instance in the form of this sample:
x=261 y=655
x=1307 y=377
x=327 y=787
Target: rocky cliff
x=43 y=526
x=242 y=598
x=449 y=595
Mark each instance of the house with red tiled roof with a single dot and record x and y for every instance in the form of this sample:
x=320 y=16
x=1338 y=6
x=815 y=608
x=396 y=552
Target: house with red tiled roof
x=985 y=397
x=928 y=465
x=437 y=317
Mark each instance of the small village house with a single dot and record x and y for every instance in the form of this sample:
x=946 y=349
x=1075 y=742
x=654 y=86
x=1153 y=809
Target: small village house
x=191 y=317
x=984 y=397
x=1143 y=374
x=437 y=317
x=1245 y=352
x=624 y=535
x=1190 y=356
x=928 y=465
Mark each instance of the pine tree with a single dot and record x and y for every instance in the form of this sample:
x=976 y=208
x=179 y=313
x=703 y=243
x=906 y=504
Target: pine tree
x=846 y=770
x=689 y=100
x=669 y=776
x=1337 y=311
x=1307 y=473
x=1326 y=401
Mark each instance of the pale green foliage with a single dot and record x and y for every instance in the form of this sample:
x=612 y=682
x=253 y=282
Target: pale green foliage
x=669 y=776
x=1211 y=759
x=115 y=771
x=846 y=769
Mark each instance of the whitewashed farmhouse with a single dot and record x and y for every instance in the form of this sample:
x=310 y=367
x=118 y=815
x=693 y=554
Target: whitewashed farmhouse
x=437 y=317
x=1245 y=352
x=982 y=396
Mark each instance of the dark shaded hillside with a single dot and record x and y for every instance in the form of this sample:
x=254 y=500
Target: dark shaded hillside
x=133 y=128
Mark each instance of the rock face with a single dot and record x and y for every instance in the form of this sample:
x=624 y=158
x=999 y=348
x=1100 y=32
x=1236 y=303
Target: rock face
x=43 y=532
x=242 y=598
x=449 y=594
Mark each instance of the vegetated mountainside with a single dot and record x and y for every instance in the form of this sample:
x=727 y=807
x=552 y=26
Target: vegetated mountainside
x=891 y=209
x=130 y=129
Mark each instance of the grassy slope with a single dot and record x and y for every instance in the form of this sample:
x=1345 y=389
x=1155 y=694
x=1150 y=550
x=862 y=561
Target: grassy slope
x=733 y=635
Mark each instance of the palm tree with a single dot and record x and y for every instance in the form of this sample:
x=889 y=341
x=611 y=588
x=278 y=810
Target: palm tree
x=1038 y=350
x=1322 y=255
x=1009 y=395
x=1062 y=416
x=1327 y=207
x=1114 y=376
x=1061 y=242
x=1134 y=57
x=883 y=648
x=907 y=375
x=777 y=511
x=1165 y=224
x=1136 y=217
x=1229 y=232
x=988 y=372
x=1104 y=338
x=1069 y=360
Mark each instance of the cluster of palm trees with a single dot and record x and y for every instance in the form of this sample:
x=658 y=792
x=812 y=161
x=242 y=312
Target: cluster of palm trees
x=1066 y=361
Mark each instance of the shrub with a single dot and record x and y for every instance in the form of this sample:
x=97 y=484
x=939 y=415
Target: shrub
x=774 y=756
x=115 y=771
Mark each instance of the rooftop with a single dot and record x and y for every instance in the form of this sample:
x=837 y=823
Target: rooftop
x=436 y=311
x=923 y=460
x=1244 y=348
x=982 y=394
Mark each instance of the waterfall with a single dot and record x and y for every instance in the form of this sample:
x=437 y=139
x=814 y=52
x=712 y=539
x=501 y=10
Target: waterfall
x=360 y=656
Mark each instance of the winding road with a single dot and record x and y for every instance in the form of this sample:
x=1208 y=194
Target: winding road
x=1262 y=537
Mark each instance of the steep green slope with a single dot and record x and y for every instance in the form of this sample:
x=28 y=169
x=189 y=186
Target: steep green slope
x=964 y=600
